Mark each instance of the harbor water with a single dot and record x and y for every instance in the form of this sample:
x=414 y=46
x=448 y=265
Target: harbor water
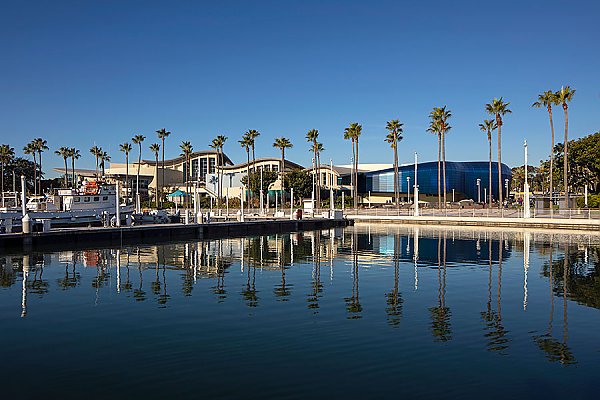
x=359 y=312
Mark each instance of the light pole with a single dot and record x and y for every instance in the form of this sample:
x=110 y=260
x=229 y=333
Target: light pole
x=484 y=195
x=478 y=190
x=506 y=187
x=408 y=188
x=526 y=210
x=453 y=195
x=416 y=196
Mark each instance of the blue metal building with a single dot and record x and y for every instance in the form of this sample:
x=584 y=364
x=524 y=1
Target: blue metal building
x=460 y=176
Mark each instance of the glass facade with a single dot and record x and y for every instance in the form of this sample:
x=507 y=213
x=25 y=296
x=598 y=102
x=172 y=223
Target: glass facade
x=460 y=176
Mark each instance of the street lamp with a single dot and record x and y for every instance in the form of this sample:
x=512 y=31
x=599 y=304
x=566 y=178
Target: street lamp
x=506 y=187
x=408 y=187
x=478 y=190
x=453 y=195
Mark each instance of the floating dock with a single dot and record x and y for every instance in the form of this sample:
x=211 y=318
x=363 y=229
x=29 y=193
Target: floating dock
x=73 y=238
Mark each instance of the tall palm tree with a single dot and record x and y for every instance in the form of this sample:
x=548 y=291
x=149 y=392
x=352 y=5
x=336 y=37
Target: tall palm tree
x=549 y=99
x=353 y=133
x=393 y=137
x=282 y=143
x=75 y=155
x=126 y=148
x=186 y=151
x=7 y=153
x=138 y=139
x=96 y=152
x=246 y=143
x=217 y=144
x=31 y=149
x=40 y=146
x=64 y=152
x=155 y=148
x=349 y=135
x=104 y=157
x=312 y=137
x=435 y=128
x=488 y=126
x=162 y=135
x=440 y=115
x=498 y=108
x=253 y=134
x=564 y=97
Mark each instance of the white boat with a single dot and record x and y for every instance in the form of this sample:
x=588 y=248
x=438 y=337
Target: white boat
x=93 y=202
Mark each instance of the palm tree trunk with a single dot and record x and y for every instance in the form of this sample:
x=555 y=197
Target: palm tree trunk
x=499 y=163
x=126 y=178
x=163 y=166
x=396 y=191
x=34 y=175
x=156 y=198
x=565 y=162
x=356 y=177
x=551 y=160
x=490 y=172
x=439 y=171
x=281 y=169
x=66 y=173
x=41 y=173
x=137 y=179
x=2 y=183
x=73 y=171
x=352 y=173
x=444 y=165
x=248 y=171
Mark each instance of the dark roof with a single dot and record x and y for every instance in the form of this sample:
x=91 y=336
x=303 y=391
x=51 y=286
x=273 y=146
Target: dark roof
x=288 y=164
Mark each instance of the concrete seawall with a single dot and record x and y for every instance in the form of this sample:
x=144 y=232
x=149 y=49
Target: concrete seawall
x=531 y=223
x=74 y=238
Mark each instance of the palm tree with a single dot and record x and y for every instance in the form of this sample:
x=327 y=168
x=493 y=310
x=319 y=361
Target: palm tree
x=155 y=148
x=138 y=139
x=75 y=155
x=31 y=149
x=126 y=148
x=186 y=151
x=282 y=143
x=162 y=135
x=40 y=146
x=246 y=143
x=253 y=134
x=312 y=137
x=440 y=116
x=97 y=152
x=7 y=153
x=64 y=152
x=349 y=135
x=488 y=126
x=217 y=144
x=395 y=136
x=356 y=130
x=564 y=96
x=104 y=157
x=549 y=99
x=498 y=108
x=435 y=128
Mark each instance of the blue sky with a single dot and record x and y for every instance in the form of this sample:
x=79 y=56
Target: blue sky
x=84 y=73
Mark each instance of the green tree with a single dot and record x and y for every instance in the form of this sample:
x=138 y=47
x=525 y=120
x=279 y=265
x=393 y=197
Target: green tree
x=75 y=155
x=217 y=144
x=138 y=139
x=312 y=137
x=268 y=178
x=549 y=99
x=126 y=148
x=31 y=149
x=97 y=153
x=498 y=108
x=440 y=116
x=435 y=128
x=301 y=182
x=40 y=146
x=64 y=152
x=186 y=151
x=393 y=138
x=246 y=143
x=7 y=154
x=252 y=134
x=564 y=97
x=488 y=126
x=162 y=135
x=155 y=148
x=282 y=144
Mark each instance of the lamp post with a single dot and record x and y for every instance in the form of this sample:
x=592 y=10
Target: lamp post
x=453 y=195
x=484 y=195
x=408 y=188
x=478 y=190
x=526 y=210
x=416 y=196
x=506 y=187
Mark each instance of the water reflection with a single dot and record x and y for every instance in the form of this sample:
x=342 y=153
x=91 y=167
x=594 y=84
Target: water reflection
x=377 y=272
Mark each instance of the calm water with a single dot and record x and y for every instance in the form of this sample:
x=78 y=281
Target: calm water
x=361 y=312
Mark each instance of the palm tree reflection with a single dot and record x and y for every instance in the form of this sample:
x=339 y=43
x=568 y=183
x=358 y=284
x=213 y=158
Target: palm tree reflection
x=440 y=315
x=394 y=297
x=139 y=294
x=282 y=292
x=317 y=286
x=249 y=292
x=555 y=350
x=353 y=306
x=495 y=332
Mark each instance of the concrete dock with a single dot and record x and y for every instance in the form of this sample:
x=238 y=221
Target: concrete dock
x=531 y=223
x=73 y=238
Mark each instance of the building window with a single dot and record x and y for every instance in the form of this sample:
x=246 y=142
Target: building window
x=275 y=168
x=203 y=168
x=105 y=198
x=212 y=163
x=76 y=199
x=96 y=198
x=194 y=168
x=86 y=199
